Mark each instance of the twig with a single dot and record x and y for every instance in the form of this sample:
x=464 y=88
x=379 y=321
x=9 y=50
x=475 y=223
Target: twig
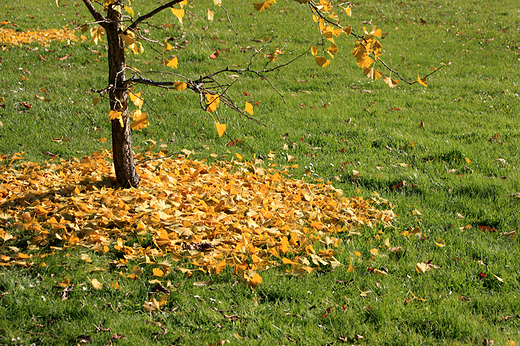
x=232 y=26
x=150 y=14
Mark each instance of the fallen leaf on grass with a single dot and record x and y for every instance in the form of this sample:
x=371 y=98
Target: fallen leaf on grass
x=151 y=306
x=96 y=284
x=422 y=267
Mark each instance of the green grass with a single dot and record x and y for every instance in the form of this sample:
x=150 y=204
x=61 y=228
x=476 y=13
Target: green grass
x=470 y=109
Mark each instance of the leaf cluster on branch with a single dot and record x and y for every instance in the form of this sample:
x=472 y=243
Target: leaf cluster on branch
x=367 y=51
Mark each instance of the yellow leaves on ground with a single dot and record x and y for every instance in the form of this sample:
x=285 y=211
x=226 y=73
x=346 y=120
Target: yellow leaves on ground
x=43 y=37
x=96 y=284
x=261 y=6
x=229 y=214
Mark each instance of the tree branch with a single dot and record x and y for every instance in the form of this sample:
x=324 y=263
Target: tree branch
x=97 y=16
x=151 y=14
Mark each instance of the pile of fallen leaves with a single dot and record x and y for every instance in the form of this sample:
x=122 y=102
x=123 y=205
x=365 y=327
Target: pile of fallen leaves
x=43 y=37
x=207 y=216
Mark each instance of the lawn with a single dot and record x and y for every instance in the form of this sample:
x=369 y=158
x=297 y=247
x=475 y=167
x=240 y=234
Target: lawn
x=443 y=158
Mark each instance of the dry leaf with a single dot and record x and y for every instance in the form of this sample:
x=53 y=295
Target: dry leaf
x=96 y=284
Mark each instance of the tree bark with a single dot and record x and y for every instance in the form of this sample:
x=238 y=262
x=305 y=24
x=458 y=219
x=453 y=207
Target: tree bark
x=124 y=165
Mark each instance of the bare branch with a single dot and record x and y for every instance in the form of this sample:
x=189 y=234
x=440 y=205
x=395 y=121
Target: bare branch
x=97 y=16
x=151 y=14
x=232 y=26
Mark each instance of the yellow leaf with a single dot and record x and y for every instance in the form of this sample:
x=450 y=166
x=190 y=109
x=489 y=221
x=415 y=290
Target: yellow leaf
x=114 y=115
x=374 y=252
x=321 y=61
x=172 y=62
x=440 y=243
x=357 y=253
x=350 y=269
x=249 y=108
x=96 y=34
x=288 y=261
x=65 y=283
x=213 y=102
x=422 y=267
x=86 y=258
x=349 y=11
x=179 y=13
x=347 y=30
x=284 y=245
x=374 y=32
x=274 y=55
x=211 y=14
x=158 y=272
x=151 y=306
x=179 y=86
x=137 y=270
x=335 y=263
x=334 y=16
x=96 y=284
x=263 y=5
x=239 y=157
x=364 y=61
x=140 y=120
x=392 y=83
x=136 y=99
x=163 y=300
x=221 y=128
x=372 y=73
x=333 y=49
x=129 y=38
x=217 y=2
x=314 y=51
x=253 y=281
x=167 y=46
x=220 y=267
x=422 y=81
x=468 y=161
x=129 y=10
x=114 y=285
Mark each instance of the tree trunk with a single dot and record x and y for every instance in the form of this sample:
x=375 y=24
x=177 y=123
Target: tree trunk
x=124 y=165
